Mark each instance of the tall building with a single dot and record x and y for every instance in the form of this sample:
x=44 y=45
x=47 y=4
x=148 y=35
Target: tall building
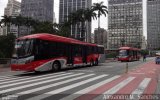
x=101 y=37
x=12 y=9
x=69 y=6
x=153 y=24
x=125 y=23
x=41 y=10
x=144 y=43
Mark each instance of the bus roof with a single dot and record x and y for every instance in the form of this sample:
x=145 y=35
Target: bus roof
x=51 y=37
x=128 y=48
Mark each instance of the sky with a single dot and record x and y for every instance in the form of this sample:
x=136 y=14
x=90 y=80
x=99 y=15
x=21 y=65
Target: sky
x=104 y=20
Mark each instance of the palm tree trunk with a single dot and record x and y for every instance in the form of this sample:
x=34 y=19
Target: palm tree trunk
x=82 y=32
x=8 y=28
x=98 y=29
x=98 y=22
x=18 y=32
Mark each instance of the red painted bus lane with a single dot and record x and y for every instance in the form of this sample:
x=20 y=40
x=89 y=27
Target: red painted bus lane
x=141 y=81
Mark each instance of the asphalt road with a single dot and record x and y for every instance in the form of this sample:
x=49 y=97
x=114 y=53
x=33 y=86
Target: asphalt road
x=71 y=84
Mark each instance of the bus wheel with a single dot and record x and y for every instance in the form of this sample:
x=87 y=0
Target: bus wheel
x=56 y=66
x=91 y=63
x=96 y=62
x=130 y=59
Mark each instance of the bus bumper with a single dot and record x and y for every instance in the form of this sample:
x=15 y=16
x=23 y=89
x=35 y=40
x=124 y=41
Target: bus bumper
x=23 y=67
x=123 y=59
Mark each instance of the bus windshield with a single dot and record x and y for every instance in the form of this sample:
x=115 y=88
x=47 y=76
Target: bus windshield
x=123 y=53
x=23 y=48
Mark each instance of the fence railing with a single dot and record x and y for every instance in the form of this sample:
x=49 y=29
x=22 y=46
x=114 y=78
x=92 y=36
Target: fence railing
x=5 y=62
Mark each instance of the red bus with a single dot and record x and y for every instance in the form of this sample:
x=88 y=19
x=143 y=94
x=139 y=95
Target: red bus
x=44 y=52
x=128 y=54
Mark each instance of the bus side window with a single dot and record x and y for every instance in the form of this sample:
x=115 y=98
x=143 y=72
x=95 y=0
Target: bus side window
x=77 y=50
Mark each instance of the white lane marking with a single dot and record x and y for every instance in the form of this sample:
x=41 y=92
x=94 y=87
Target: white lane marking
x=136 y=73
x=37 y=83
x=52 y=85
x=45 y=95
x=88 y=89
x=116 y=88
x=15 y=80
x=82 y=70
x=39 y=79
x=137 y=92
x=109 y=66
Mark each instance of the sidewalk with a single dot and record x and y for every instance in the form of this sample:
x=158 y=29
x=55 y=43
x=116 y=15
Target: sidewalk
x=110 y=60
x=4 y=68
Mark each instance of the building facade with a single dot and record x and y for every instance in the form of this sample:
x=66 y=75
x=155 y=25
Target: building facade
x=144 y=43
x=125 y=23
x=101 y=37
x=41 y=10
x=12 y=9
x=69 y=6
x=153 y=24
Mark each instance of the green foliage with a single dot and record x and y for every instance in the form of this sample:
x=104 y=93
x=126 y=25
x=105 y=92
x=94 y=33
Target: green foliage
x=144 y=52
x=102 y=9
x=111 y=55
x=64 y=29
x=44 y=27
x=6 y=45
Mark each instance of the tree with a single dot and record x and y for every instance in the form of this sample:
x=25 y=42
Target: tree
x=7 y=45
x=29 y=23
x=64 y=29
x=102 y=10
x=44 y=27
x=89 y=14
x=80 y=17
x=0 y=24
x=18 y=21
x=6 y=20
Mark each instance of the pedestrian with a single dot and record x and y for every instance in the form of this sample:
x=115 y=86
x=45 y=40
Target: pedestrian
x=144 y=57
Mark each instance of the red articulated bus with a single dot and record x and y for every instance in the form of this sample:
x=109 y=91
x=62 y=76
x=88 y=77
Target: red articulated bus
x=128 y=54
x=44 y=52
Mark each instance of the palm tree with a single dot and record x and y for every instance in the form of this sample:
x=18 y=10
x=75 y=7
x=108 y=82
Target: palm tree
x=102 y=10
x=89 y=14
x=0 y=23
x=80 y=17
x=64 y=29
x=6 y=20
x=29 y=22
x=18 y=21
